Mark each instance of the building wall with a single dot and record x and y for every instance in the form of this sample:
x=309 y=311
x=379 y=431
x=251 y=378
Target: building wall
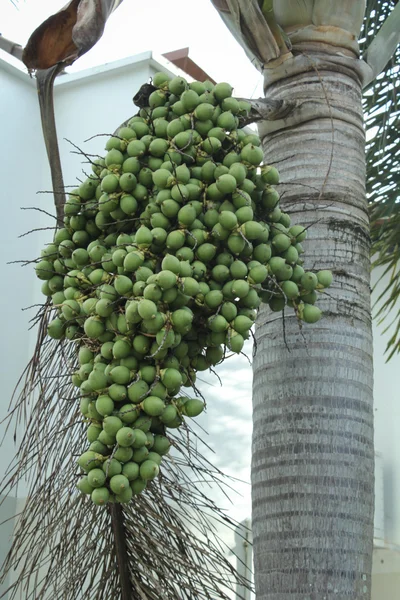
x=86 y=106
x=387 y=425
x=23 y=171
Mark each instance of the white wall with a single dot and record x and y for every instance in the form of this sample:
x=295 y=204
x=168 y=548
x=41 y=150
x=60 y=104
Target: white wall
x=23 y=171
x=88 y=105
x=387 y=424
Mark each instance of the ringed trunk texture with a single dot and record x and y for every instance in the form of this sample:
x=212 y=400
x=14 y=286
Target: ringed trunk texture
x=313 y=452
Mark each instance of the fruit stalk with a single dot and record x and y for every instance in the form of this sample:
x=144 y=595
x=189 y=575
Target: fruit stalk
x=45 y=86
x=117 y=520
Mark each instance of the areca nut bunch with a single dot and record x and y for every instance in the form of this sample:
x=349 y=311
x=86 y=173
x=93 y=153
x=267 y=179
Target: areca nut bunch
x=167 y=251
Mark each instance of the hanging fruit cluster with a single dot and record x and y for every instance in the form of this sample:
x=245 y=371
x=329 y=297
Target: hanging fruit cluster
x=167 y=251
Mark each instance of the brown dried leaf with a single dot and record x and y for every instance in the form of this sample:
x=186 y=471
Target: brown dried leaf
x=68 y=34
x=221 y=5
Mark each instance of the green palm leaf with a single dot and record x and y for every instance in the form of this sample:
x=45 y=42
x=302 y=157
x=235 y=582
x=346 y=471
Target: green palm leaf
x=382 y=111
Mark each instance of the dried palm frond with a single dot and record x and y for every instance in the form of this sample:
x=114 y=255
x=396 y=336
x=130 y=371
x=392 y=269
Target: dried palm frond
x=163 y=544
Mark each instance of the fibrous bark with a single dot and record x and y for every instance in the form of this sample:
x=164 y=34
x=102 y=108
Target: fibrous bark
x=313 y=455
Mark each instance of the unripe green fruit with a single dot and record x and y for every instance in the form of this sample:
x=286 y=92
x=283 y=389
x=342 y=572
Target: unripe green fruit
x=117 y=392
x=104 y=405
x=217 y=323
x=171 y=378
x=193 y=407
x=240 y=288
x=310 y=313
x=161 y=445
x=234 y=341
x=127 y=182
x=85 y=355
x=138 y=486
x=220 y=273
x=242 y=324
x=290 y=289
x=276 y=263
x=140 y=436
x=118 y=483
x=291 y=255
x=112 y=467
x=96 y=478
x=204 y=111
x=214 y=298
x=270 y=175
x=141 y=343
x=298 y=232
x=190 y=99
x=244 y=214
x=136 y=148
x=84 y=486
x=177 y=85
x=121 y=349
x=44 y=270
x=281 y=242
x=211 y=145
x=160 y=79
x=56 y=329
x=125 y=437
x=222 y=90
x=309 y=281
x=137 y=391
x=231 y=104
x=149 y=470
x=97 y=380
x=112 y=425
x=100 y=496
x=252 y=154
x=158 y=147
x=258 y=274
x=277 y=303
x=89 y=460
x=166 y=279
x=140 y=455
x=157 y=98
x=153 y=406
x=93 y=432
x=284 y=273
x=174 y=127
x=310 y=298
x=125 y=496
x=236 y=243
x=130 y=470
x=252 y=230
x=169 y=414
x=325 y=278
x=298 y=273
x=123 y=455
x=186 y=215
x=147 y=309
x=175 y=240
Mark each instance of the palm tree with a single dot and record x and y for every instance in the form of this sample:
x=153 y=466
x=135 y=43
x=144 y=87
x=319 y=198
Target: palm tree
x=313 y=455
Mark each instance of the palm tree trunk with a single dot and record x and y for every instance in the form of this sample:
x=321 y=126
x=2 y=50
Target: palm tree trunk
x=313 y=453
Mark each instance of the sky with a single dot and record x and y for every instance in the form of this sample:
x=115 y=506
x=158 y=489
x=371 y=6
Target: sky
x=154 y=25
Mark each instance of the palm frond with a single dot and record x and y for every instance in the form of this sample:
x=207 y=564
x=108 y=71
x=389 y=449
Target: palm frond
x=65 y=547
x=382 y=111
